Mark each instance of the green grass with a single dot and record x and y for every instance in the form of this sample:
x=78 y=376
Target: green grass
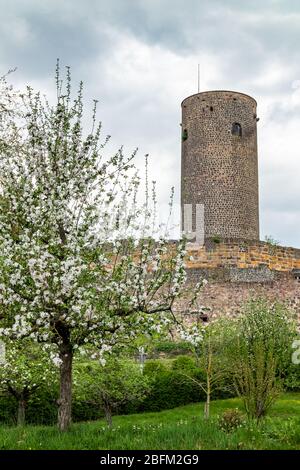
x=180 y=428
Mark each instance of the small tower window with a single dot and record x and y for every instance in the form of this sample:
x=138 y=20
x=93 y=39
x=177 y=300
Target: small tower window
x=236 y=129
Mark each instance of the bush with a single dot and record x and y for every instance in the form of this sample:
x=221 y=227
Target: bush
x=261 y=352
x=172 y=348
x=109 y=387
x=291 y=378
x=169 y=389
x=154 y=367
x=184 y=363
x=41 y=407
x=8 y=406
x=230 y=420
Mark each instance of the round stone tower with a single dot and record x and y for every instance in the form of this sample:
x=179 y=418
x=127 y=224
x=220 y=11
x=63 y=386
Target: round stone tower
x=219 y=163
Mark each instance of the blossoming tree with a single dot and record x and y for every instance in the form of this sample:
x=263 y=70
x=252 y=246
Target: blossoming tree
x=24 y=368
x=110 y=386
x=78 y=269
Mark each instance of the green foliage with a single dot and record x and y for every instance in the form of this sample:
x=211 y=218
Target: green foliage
x=179 y=428
x=184 y=135
x=177 y=385
x=172 y=348
x=291 y=378
x=271 y=240
x=25 y=368
x=184 y=363
x=110 y=386
x=8 y=406
x=41 y=407
x=230 y=420
x=210 y=342
x=153 y=368
x=260 y=353
x=160 y=388
x=169 y=390
x=272 y=244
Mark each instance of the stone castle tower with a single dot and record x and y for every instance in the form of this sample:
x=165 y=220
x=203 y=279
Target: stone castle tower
x=219 y=172
x=219 y=163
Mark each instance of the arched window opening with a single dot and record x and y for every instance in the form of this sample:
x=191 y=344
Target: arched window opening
x=236 y=129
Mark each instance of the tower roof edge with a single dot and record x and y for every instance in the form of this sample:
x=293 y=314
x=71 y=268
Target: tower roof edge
x=219 y=91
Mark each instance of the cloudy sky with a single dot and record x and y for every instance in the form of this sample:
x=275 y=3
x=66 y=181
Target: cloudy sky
x=139 y=58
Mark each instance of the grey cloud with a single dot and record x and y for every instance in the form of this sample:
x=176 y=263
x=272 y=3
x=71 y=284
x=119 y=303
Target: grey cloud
x=244 y=40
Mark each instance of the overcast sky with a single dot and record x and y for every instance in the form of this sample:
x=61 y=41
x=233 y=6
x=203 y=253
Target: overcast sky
x=139 y=58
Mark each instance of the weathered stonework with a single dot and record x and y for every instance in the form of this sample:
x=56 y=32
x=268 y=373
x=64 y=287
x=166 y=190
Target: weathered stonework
x=225 y=298
x=238 y=271
x=220 y=171
x=241 y=254
x=219 y=167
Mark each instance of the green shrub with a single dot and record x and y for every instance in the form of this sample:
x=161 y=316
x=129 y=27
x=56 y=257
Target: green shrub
x=291 y=378
x=172 y=348
x=261 y=352
x=8 y=406
x=171 y=387
x=85 y=410
x=109 y=387
x=184 y=363
x=169 y=390
x=41 y=407
x=184 y=135
x=154 y=367
x=230 y=420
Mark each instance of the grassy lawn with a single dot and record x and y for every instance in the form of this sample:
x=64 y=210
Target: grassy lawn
x=180 y=428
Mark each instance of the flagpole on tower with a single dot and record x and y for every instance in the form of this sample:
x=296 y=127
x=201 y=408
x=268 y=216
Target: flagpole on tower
x=198 y=78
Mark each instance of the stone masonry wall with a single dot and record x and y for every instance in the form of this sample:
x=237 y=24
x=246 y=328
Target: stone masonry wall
x=227 y=299
x=243 y=255
x=237 y=271
x=219 y=169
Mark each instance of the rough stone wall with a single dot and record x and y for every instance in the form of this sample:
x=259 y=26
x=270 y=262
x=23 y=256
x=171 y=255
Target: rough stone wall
x=233 y=254
x=227 y=299
x=220 y=169
x=238 y=271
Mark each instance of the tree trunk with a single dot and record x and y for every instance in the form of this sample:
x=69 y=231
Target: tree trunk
x=21 y=412
x=207 y=406
x=65 y=398
x=208 y=384
x=208 y=392
x=108 y=415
